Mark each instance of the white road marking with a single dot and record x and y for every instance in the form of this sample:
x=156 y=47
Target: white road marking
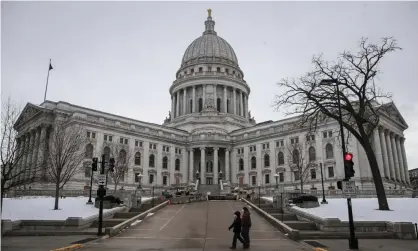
x=185 y=238
x=178 y=211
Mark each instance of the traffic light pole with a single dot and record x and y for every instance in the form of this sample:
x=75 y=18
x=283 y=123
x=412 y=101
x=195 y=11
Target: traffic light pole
x=352 y=242
x=101 y=192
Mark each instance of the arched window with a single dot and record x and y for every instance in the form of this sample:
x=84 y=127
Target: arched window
x=122 y=157
x=329 y=151
x=165 y=162
x=253 y=163
x=280 y=157
x=241 y=164
x=191 y=105
x=200 y=104
x=106 y=153
x=295 y=155
x=209 y=166
x=89 y=151
x=151 y=160
x=312 y=154
x=218 y=104
x=266 y=160
x=177 y=167
x=138 y=158
x=227 y=105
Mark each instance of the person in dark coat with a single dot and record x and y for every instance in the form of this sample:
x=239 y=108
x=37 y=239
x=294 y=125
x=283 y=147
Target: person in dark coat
x=246 y=225
x=236 y=225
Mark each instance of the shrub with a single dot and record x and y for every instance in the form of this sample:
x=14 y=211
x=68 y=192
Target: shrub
x=303 y=198
x=112 y=199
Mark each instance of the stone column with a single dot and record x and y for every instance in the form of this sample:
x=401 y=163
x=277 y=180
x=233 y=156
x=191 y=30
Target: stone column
x=203 y=96
x=378 y=152
x=395 y=157
x=202 y=165
x=227 y=178
x=42 y=149
x=194 y=99
x=245 y=106
x=215 y=97
x=399 y=153
x=35 y=150
x=234 y=93
x=225 y=100
x=242 y=104
x=184 y=170
x=215 y=165
x=390 y=157
x=184 y=101
x=384 y=153
x=191 y=165
x=405 y=161
x=173 y=109
x=29 y=155
x=177 y=103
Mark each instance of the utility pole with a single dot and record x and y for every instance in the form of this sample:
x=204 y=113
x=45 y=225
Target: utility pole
x=101 y=192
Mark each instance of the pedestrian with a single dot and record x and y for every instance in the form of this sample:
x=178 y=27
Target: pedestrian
x=236 y=225
x=246 y=225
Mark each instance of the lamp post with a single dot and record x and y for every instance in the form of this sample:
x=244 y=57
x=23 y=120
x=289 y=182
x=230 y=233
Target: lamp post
x=277 y=181
x=353 y=241
x=259 y=194
x=324 y=201
x=220 y=176
x=152 y=193
x=139 y=180
x=89 y=202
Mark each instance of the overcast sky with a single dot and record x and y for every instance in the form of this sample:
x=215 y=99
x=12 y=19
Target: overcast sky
x=121 y=57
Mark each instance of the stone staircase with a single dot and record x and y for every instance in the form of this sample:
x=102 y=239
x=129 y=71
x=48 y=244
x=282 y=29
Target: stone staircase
x=309 y=230
x=213 y=189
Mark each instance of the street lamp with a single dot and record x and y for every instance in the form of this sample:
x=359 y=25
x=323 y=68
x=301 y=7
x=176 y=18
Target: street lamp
x=152 y=193
x=93 y=168
x=324 y=201
x=259 y=194
x=277 y=181
x=220 y=176
x=353 y=241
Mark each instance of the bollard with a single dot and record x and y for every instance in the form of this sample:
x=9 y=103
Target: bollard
x=416 y=229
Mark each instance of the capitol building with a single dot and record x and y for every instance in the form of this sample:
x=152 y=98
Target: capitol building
x=211 y=136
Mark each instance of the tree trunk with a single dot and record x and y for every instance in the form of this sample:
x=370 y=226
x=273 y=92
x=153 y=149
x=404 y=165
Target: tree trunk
x=2 y=196
x=378 y=183
x=57 y=194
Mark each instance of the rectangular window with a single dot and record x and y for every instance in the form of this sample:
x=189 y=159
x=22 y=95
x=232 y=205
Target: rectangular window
x=151 y=178
x=267 y=179
x=296 y=173
x=325 y=135
x=253 y=180
x=330 y=172
x=179 y=151
x=88 y=134
x=138 y=143
x=313 y=174
x=281 y=177
x=126 y=141
x=310 y=138
x=136 y=177
x=152 y=146
x=93 y=135
x=165 y=180
x=121 y=140
x=108 y=138
x=329 y=134
x=105 y=137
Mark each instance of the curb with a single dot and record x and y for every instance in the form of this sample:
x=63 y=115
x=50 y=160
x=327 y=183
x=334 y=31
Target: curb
x=68 y=248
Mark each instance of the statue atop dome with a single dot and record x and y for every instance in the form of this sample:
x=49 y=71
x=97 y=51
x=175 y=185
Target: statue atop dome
x=209 y=12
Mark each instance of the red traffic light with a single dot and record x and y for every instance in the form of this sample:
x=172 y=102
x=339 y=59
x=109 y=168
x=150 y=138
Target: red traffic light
x=348 y=156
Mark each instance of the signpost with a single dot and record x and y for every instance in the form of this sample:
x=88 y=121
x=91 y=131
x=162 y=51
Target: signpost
x=349 y=189
x=101 y=179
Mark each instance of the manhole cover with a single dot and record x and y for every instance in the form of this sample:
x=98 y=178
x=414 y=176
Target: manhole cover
x=315 y=244
x=84 y=240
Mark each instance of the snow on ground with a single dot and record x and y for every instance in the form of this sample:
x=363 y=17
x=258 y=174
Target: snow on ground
x=365 y=209
x=41 y=208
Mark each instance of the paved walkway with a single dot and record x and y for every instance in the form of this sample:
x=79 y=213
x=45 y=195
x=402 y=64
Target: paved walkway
x=39 y=243
x=196 y=226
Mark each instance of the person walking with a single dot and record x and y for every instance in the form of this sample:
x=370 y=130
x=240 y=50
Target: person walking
x=246 y=225
x=236 y=225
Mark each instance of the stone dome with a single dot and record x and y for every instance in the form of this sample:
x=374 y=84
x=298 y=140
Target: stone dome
x=209 y=48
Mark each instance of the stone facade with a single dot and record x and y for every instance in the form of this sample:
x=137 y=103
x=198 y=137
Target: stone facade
x=210 y=123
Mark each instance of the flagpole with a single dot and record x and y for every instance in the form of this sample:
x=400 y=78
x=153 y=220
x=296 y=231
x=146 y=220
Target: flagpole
x=47 y=77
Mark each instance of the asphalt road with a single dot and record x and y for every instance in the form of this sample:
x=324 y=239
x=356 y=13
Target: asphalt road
x=197 y=226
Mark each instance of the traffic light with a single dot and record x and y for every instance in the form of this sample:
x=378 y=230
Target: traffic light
x=348 y=166
x=112 y=164
x=94 y=165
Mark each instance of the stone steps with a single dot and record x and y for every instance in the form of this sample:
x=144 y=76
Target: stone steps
x=306 y=234
x=284 y=216
x=107 y=222
x=126 y=215
x=301 y=225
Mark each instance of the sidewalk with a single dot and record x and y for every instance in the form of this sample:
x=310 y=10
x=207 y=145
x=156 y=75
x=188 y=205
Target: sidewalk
x=372 y=245
x=39 y=243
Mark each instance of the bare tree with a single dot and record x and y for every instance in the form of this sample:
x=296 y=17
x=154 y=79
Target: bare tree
x=302 y=159
x=17 y=165
x=314 y=96
x=122 y=157
x=65 y=155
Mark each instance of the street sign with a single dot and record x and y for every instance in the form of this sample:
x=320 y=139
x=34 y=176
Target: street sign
x=349 y=189
x=101 y=179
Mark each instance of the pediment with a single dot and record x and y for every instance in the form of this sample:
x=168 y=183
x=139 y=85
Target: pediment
x=27 y=113
x=393 y=113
